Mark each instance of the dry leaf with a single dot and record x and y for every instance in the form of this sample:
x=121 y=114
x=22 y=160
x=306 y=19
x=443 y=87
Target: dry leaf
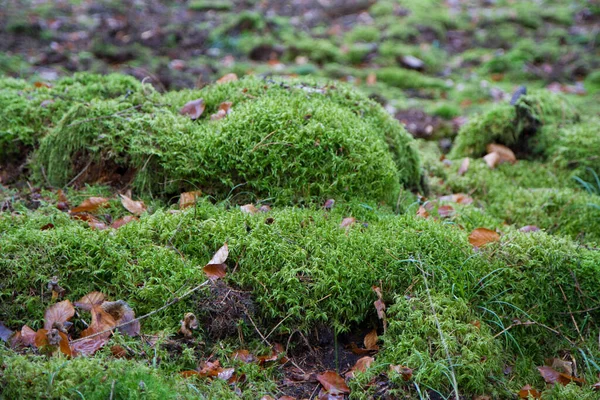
x=371 y=79
x=101 y=321
x=560 y=365
x=123 y=221
x=482 y=236
x=221 y=255
x=464 y=166
x=90 y=204
x=333 y=383
x=227 y=78
x=552 y=376
x=122 y=313
x=50 y=340
x=527 y=391
x=118 y=351
x=348 y=222
x=57 y=314
x=244 y=356
x=225 y=374
x=90 y=300
x=223 y=111
x=188 y=199
x=505 y=154
x=189 y=323
x=275 y=353
x=422 y=212
x=249 y=209
x=361 y=365
x=529 y=228
x=215 y=271
x=459 y=198
x=445 y=211
x=87 y=347
x=329 y=204
x=370 y=340
x=136 y=207
x=193 y=109
x=492 y=159
x=5 y=333
x=402 y=370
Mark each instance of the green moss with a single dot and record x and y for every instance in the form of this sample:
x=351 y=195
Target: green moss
x=514 y=126
x=407 y=79
x=363 y=33
x=285 y=141
x=203 y=5
x=592 y=82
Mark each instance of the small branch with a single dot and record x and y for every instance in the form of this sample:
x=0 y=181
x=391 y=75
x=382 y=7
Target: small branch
x=80 y=173
x=257 y=330
x=262 y=140
x=170 y=303
x=571 y=313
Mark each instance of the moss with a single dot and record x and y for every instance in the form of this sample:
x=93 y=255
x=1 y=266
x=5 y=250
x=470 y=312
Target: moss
x=320 y=51
x=363 y=33
x=514 y=126
x=407 y=79
x=592 y=82
x=30 y=112
x=203 y=5
x=284 y=141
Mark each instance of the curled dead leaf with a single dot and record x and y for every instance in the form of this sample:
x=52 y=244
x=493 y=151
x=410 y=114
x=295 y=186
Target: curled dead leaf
x=249 y=209
x=492 y=160
x=370 y=340
x=188 y=199
x=122 y=313
x=329 y=204
x=231 y=77
x=361 y=365
x=333 y=383
x=527 y=392
x=552 y=376
x=244 y=356
x=136 y=207
x=221 y=255
x=123 y=221
x=189 y=323
x=445 y=211
x=50 y=340
x=347 y=222
x=422 y=212
x=57 y=314
x=87 y=347
x=482 y=236
x=464 y=166
x=222 y=112
x=90 y=300
x=193 y=109
x=406 y=372
x=529 y=228
x=505 y=154
x=215 y=271
x=90 y=204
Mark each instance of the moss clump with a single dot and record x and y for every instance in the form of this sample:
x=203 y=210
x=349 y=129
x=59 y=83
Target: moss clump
x=287 y=141
x=29 y=112
x=514 y=126
x=407 y=79
x=577 y=147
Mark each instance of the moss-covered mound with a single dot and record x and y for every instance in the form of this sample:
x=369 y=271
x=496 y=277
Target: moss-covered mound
x=515 y=126
x=286 y=141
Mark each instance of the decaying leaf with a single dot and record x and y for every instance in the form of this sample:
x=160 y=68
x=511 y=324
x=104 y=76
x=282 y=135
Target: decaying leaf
x=87 y=347
x=492 y=159
x=371 y=79
x=90 y=300
x=529 y=228
x=216 y=267
x=244 y=356
x=347 y=222
x=276 y=351
x=505 y=154
x=370 y=340
x=482 y=236
x=136 y=207
x=5 y=333
x=422 y=212
x=333 y=383
x=380 y=307
x=188 y=199
x=122 y=313
x=101 y=321
x=193 y=109
x=57 y=314
x=406 y=372
x=552 y=376
x=123 y=221
x=459 y=198
x=464 y=166
x=231 y=77
x=560 y=365
x=527 y=392
x=50 y=340
x=445 y=211
x=329 y=204
x=361 y=365
x=90 y=204
x=188 y=323
x=222 y=112
x=225 y=373
x=249 y=209
x=27 y=336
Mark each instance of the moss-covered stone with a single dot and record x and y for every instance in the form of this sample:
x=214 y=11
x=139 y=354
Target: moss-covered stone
x=283 y=141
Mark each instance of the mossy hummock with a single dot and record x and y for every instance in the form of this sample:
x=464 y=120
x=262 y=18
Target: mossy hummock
x=283 y=141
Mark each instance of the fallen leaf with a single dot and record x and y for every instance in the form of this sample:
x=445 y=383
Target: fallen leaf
x=136 y=207
x=329 y=204
x=215 y=271
x=118 y=351
x=333 y=383
x=47 y=227
x=482 y=236
x=596 y=386
x=347 y=222
x=123 y=221
x=122 y=313
x=560 y=365
x=231 y=77
x=193 y=109
x=222 y=112
x=370 y=340
x=459 y=198
x=90 y=204
x=527 y=392
x=529 y=228
x=359 y=351
x=189 y=323
x=445 y=211
x=225 y=374
x=276 y=351
x=57 y=314
x=27 y=336
x=244 y=356
x=38 y=84
x=422 y=212
x=101 y=321
x=249 y=209
x=492 y=159
x=371 y=79
x=90 y=300
x=464 y=166
x=505 y=154
x=552 y=376
x=87 y=347
x=5 y=333
x=50 y=340
x=188 y=199
x=221 y=255
x=264 y=208
x=406 y=372
x=361 y=365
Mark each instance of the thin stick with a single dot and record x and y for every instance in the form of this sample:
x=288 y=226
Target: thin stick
x=170 y=303
x=277 y=326
x=79 y=174
x=571 y=313
x=262 y=140
x=257 y=330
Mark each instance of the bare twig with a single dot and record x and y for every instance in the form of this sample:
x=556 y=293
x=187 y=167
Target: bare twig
x=257 y=330
x=571 y=313
x=80 y=173
x=170 y=303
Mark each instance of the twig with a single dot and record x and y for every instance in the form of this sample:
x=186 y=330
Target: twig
x=170 y=303
x=571 y=313
x=257 y=330
x=527 y=323
x=105 y=116
x=277 y=326
x=112 y=389
x=262 y=140
x=80 y=173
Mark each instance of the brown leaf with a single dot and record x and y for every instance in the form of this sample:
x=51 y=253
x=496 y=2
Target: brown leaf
x=218 y=115
x=101 y=321
x=527 y=391
x=136 y=207
x=227 y=78
x=596 y=386
x=348 y=222
x=361 y=365
x=560 y=365
x=249 y=209
x=193 y=109
x=118 y=351
x=492 y=160
x=221 y=255
x=358 y=351
x=445 y=211
x=188 y=199
x=57 y=314
x=482 y=236
x=276 y=351
x=370 y=340
x=402 y=370
x=27 y=336
x=422 y=212
x=380 y=307
x=464 y=166
x=90 y=204
x=123 y=221
x=371 y=79
x=49 y=340
x=333 y=383
x=329 y=204
x=552 y=376
x=122 y=313
x=39 y=84
x=189 y=323
x=225 y=373
x=244 y=356
x=459 y=198
x=223 y=111
x=5 y=333
x=48 y=226
x=87 y=347
x=505 y=154
x=215 y=271
x=90 y=300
